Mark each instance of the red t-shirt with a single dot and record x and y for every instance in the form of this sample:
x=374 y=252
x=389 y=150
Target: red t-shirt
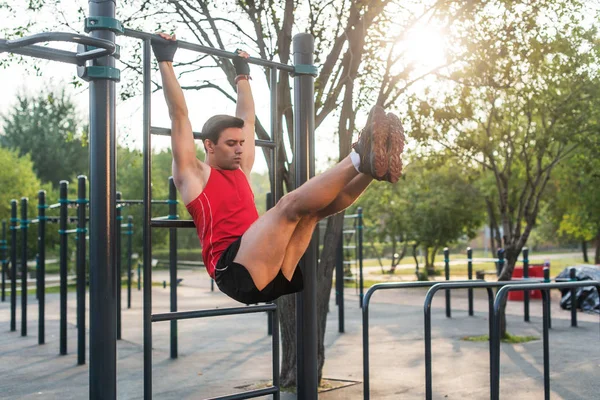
x=222 y=213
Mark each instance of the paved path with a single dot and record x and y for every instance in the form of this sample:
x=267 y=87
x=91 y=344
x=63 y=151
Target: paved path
x=222 y=355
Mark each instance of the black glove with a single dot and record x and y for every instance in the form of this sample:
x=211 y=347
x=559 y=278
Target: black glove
x=241 y=65
x=163 y=49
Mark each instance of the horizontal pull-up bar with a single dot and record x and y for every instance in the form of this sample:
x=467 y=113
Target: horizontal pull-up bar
x=167 y=132
x=209 y=50
x=217 y=312
x=25 y=46
x=133 y=202
x=172 y=223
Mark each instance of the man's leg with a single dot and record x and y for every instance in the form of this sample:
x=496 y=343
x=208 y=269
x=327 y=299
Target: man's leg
x=263 y=246
x=304 y=230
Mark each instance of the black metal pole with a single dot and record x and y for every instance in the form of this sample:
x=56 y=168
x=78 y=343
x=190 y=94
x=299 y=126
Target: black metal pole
x=62 y=229
x=574 y=305
x=24 y=225
x=42 y=266
x=546 y=340
x=548 y=303
x=173 y=262
x=13 y=265
x=37 y=278
x=81 y=278
x=360 y=254
x=3 y=248
x=147 y=233
x=275 y=344
x=470 y=277
x=129 y=257
x=306 y=301
x=447 y=274
x=269 y=205
x=526 y=275
x=339 y=281
x=119 y=220
x=103 y=344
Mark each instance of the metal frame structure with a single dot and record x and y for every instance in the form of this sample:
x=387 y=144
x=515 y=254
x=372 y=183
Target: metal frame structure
x=95 y=59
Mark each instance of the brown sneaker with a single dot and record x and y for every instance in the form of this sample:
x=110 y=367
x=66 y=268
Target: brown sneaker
x=395 y=149
x=372 y=144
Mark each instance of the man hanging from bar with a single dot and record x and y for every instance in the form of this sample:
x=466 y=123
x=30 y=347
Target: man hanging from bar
x=254 y=259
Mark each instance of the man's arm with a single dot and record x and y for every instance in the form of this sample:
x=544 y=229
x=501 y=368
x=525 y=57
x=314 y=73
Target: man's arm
x=188 y=172
x=245 y=110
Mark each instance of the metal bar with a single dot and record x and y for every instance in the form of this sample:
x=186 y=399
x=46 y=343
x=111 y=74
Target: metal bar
x=573 y=278
x=360 y=229
x=129 y=258
x=118 y=240
x=46 y=53
x=147 y=216
x=269 y=205
x=339 y=283
x=427 y=311
x=43 y=37
x=24 y=204
x=274 y=135
x=63 y=187
x=365 y=330
x=170 y=223
x=249 y=394
x=173 y=264
x=208 y=50
x=197 y=135
x=140 y=202
x=500 y=298
x=526 y=275
x=447 y=275
x=275 y=351
x=306 y=301
x=470 y=276
x=13 y=266
x=103 y=343
x=42 y=267
x=217 y=312
x=548 y=303
x=81 y=260
x=3 y=256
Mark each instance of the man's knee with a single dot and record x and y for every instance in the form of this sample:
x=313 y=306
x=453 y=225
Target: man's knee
x=290 y=207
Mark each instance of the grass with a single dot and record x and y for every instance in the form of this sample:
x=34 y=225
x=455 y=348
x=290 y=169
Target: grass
x=512 y=339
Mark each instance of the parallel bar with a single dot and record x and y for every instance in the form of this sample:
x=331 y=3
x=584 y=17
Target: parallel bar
x=545 y=288
x=81 y=270
x=129 y=258
x=339 y=283
x=13 y=266
x=170 y=223
x=360 y=227
x=118 y=259
x=173 y=264
x=218 y=312
x=447 y=276
x=140 y=202
x=470 y=277
x=147 y=231
x=526 y=275
x=24 y=204
x=574 y=305
x=42 y=267
x=63 y=266
x=208 y=50
x=197 y=135
x=249 y=394
x=365 y=320
x=3 y=249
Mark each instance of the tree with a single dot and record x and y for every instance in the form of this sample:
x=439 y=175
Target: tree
x=47 y=127
x=517 y=105
x=18 y=180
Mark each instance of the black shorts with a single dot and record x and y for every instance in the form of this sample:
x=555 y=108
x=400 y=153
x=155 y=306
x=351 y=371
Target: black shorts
x=235 y=281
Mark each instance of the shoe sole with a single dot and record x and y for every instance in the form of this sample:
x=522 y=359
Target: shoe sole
x=380 y=132
x=395 y=148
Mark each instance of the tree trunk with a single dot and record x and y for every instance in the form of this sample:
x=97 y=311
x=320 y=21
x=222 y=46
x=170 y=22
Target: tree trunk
x=511 y=257
x=392 y=265
x=414 y=253
x=287 y=306
x=585 y=252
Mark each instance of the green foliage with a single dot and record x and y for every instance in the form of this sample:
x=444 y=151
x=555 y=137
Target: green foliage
x=47 y=127
x=18 y=180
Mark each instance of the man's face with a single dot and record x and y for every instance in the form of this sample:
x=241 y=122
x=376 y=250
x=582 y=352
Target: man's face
x=227 y=153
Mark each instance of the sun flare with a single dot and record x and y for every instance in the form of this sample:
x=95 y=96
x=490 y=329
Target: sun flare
x=424 y=47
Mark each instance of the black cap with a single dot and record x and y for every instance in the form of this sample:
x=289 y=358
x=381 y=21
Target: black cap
x=217 y=124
